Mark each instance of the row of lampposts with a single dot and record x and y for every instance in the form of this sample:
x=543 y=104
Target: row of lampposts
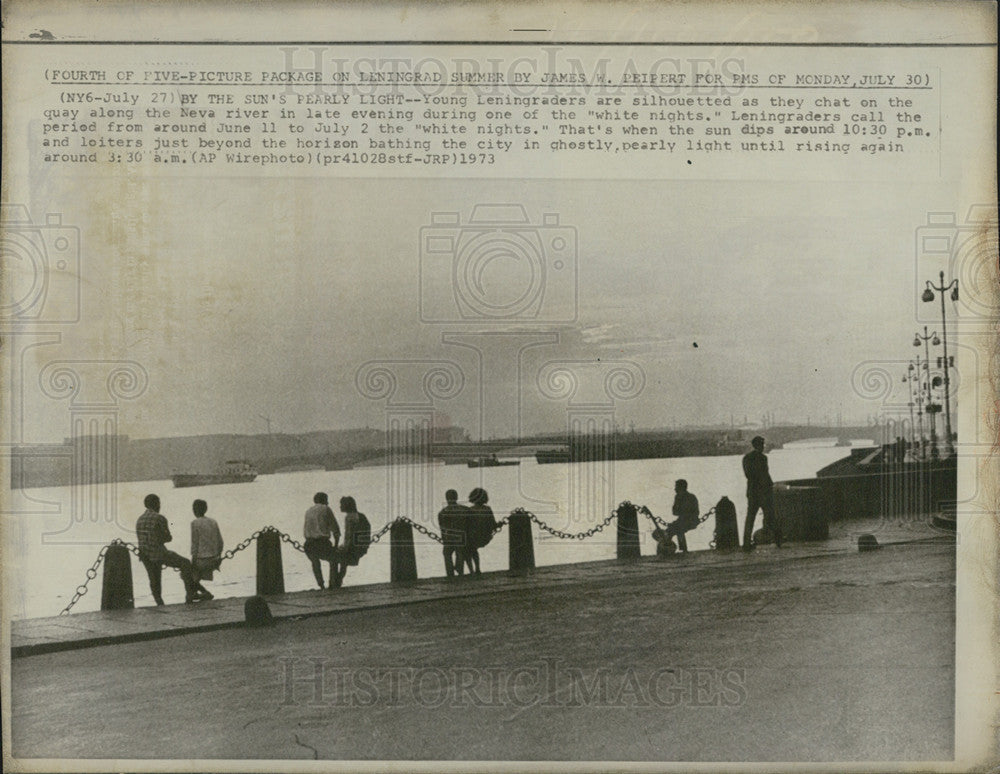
x=922 y=382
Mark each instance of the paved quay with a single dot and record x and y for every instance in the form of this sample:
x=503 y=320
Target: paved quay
x=814 y=652
x=80 y=630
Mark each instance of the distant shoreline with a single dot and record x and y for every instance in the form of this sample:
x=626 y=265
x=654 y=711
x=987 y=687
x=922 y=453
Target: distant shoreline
x=120 y=459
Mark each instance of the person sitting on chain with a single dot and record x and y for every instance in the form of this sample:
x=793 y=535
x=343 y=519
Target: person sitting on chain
x=206 y=546
x=357 y=534
x=480 y=524
x=686 y=510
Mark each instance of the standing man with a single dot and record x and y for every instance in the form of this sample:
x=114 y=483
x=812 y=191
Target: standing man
x=152 y=533
x=760 y=495
x=320 y=523
x=452 y=520
x=206 y=546
x=687 y=512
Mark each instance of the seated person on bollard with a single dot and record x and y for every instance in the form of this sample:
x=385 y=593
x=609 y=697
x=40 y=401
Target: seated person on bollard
x=320 y=523
x=480 y=524
x=357 y=535
x=206 y=546
x=451 y=520
x=687 y=513
x=152 y=532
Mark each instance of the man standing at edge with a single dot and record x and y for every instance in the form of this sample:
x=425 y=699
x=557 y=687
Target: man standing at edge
x=152 y=532
x=760 y=494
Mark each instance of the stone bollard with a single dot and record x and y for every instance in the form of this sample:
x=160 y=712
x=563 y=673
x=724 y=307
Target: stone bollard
x=521 y=549
x=116 y=584
x=402 y=557
x=628 y=532
x=868 y=542
x=270 y=574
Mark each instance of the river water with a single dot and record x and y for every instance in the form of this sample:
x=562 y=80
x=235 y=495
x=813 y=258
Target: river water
x=48 y=551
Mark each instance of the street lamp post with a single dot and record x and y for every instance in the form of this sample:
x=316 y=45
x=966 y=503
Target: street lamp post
x=931 y=408
x=927 y=297
x=913 y=377
x=909 y=378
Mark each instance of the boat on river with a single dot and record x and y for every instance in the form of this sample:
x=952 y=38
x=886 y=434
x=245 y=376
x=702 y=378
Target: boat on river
x=491 y=462
x=233 y=472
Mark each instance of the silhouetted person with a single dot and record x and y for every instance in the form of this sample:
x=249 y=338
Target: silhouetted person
x=760 y=494
x=479 y=526
x=152 y=533
x=349 y=553
x=206 y=546
x=320 y=524
x=686 y=510
x=451 y=520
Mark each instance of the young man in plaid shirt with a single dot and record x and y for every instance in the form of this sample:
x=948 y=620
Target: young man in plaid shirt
x=153 y=532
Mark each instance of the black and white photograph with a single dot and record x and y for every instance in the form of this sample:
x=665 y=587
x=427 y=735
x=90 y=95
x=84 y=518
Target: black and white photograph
x=466 y=387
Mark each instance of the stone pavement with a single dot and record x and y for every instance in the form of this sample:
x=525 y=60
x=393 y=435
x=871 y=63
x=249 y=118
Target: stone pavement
x=810 y=653
x=81 y=630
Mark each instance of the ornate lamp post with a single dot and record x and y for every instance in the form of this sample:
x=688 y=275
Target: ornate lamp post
x=909 y=378
x=928 y=296
x=930 y=407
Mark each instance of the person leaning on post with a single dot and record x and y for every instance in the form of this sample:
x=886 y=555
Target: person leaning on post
x=153 y=532
x=320 y=523
x=760 y=494
x=451 y=520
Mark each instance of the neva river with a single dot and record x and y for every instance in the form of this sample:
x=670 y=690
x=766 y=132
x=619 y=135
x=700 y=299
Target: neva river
x=48 y=551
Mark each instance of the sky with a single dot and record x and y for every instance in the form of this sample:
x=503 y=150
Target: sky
x=251 y=298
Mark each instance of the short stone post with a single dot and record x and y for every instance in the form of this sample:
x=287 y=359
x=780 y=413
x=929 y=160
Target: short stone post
x=628 y=532
x=521 y=547
x=402 y=556
x=270 y=574
x=116 y=584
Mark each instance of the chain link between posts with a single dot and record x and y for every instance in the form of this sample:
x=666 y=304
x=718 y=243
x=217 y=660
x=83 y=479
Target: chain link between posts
x=82 y=589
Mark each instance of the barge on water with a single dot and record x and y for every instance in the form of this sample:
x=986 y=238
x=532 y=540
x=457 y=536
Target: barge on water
x=233 y=472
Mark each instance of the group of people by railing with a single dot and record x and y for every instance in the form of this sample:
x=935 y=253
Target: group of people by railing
x=464 y=530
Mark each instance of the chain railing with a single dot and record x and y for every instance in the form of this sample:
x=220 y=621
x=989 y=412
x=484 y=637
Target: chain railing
x=568 y=535
x=242 y=545
x=422 y=529
x=381 y=533
x=91 y=573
